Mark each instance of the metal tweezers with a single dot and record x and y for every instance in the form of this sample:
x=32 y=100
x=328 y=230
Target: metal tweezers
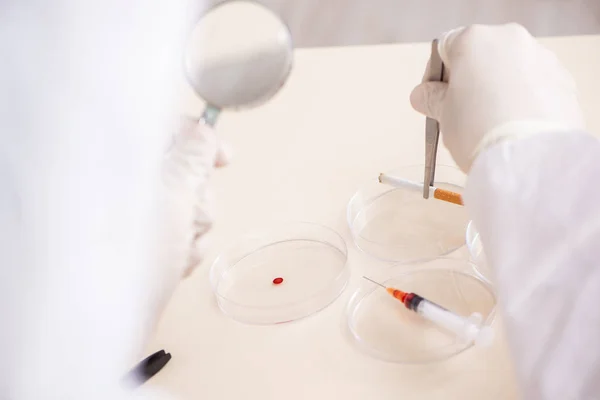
x=432 y=127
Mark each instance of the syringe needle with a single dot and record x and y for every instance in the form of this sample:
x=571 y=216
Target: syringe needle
x=377 y=283
x=398 y=294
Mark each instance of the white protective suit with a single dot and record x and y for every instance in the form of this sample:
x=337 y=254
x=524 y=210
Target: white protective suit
x=539 y=219
x=100 y=209
x=509 y=116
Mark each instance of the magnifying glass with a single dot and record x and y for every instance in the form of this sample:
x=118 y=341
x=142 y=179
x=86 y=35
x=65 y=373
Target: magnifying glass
x=238 y=55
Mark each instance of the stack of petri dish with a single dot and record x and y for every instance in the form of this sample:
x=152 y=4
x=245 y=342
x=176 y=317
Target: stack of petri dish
x=418 y=239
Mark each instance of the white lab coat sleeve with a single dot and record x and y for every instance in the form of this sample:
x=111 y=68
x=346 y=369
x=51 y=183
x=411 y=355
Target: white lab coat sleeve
x=536 y=203
x=87 y=96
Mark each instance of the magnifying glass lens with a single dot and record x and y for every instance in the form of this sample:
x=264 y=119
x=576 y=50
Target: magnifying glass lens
x=239 y=54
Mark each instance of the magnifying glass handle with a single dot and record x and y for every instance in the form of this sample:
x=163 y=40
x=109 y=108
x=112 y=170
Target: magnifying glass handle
x=210 y=115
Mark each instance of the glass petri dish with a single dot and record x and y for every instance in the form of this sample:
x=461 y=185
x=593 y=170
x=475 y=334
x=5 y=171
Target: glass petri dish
x=476 y=252
x=383 y=328
x=398 y=225
x=280 y=275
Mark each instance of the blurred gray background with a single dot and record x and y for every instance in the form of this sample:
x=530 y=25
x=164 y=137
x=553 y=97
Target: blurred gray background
x=355 y=22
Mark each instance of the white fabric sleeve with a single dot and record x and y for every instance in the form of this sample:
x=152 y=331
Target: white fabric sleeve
x=536 y=202
x=87 y=91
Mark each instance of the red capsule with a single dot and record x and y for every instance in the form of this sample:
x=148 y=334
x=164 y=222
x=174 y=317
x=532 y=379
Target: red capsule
x=277 y=281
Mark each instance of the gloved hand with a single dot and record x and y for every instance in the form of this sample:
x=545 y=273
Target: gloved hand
x=189 y=163
x=500 y=84
x=185 y=207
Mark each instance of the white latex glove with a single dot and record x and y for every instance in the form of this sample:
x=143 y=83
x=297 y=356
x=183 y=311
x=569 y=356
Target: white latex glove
x=500 y=84
x=198 y=150
x=188 y=165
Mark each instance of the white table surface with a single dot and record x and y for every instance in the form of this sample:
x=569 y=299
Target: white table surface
x=343 y=117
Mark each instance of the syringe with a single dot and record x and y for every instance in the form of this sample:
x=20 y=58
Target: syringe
x=467 y=329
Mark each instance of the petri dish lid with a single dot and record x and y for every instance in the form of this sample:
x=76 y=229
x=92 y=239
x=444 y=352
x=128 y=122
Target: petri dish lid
x=398 y=225
x=475 y=247
x=280 y=275
x=383 y=328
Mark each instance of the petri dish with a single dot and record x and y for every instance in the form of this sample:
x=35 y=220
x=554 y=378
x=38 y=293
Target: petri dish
x=280 y=275
x=398 y=225
x=383 y=328
x=475 y=247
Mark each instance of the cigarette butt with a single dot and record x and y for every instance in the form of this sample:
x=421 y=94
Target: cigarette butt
x=448 y=196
